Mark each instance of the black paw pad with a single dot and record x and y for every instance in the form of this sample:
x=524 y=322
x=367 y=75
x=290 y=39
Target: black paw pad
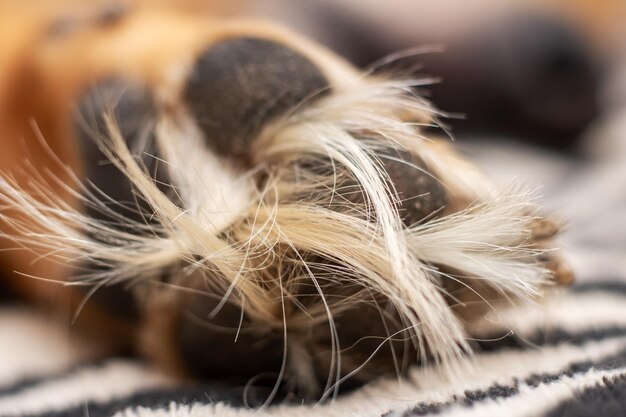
x=134 y=113
x=239 y=85
x=421 y=195
x=226 y=344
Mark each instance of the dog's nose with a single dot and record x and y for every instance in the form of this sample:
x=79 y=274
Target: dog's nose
x=239 y=85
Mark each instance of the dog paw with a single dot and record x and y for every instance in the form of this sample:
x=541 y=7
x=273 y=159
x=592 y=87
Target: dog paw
x=275 y=212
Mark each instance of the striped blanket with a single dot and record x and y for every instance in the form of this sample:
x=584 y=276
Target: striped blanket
x=563 y=357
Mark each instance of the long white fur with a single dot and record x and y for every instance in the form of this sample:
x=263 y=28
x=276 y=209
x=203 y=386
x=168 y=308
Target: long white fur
x=266 y=220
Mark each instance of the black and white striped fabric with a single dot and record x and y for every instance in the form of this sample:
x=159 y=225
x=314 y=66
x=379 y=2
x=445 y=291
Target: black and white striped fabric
x=563 y=357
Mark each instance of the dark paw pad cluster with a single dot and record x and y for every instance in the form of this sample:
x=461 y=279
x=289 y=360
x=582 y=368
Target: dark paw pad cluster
x=235 y=89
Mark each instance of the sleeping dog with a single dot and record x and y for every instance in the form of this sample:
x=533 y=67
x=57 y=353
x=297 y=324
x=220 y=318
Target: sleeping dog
x=234 y=201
